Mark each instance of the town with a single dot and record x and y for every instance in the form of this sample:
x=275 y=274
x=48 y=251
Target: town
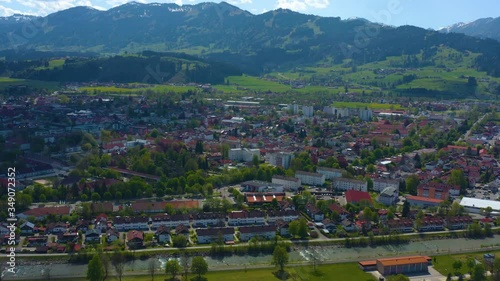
x=137 y=173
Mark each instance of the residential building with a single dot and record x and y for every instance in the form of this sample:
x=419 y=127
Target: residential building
x=308 y=111
x=403 y=225
x=350 y=184
x=27 y=228
x=208 y=219
x=430 y=224
x=281 y=159
x=329 y=173
x=437 y=190
x=112 y=235
x=355 y=196
x=314 y=212
x=282 y=227
x=380 y=184
x=288 y=216
x=243 y=154
x=130 y=223
x=135 y=239
x=93 y=236
x=288 y=183
x=310 y=178
x=341 y=211
x=209 y=235
x=263 y=231
x=162 y=234
x=459 y=222
x=423 y=202
x=246 y=217
x=389 y=195
x=170 y=221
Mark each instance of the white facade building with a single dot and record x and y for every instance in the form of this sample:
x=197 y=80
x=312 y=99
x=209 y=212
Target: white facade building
x=287 y=182
x=310 y=178
x=350 y=184
x=281 y=159
x=243 y=154
x=329 y=173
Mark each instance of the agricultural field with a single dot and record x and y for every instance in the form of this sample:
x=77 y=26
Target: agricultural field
x=154 y=88
x=53 y=64
x=368 y=105
x=446 y=71
x=6 y=82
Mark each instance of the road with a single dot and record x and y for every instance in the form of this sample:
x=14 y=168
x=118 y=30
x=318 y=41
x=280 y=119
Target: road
x=244 y=244
x=467 y=134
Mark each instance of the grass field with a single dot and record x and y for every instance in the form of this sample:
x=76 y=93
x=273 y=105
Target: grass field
x=157 y=88
x=53 y=64
x=7 y=82
x=368 y=105
x=344 y=272
x=444 y=264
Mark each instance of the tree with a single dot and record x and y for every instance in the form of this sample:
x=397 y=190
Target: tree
x=280 y=257
x=495 y=273
x=303 y=233
x=471 y=262
x=406 y=209
x=95 y=269
x=457 y=265
x=118 y=262
x=478 y=273
x=152 y=268
x=105 y=263
x=173 y=268
x=179 y=241
x=457 y=177
x=199 y=266
x=185 y=260
x=293 y=228
x=412 y=182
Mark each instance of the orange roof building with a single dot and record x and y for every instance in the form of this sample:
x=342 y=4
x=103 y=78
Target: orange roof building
x=402 y=265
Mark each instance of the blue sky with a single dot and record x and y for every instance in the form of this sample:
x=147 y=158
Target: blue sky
x=423 y=13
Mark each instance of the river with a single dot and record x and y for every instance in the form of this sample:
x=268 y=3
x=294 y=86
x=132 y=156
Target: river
x=34 y=269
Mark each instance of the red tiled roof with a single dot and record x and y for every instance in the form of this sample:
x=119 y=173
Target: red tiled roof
x=355 y=196
x=43 y=211
x=402 y=260
x=423 y=199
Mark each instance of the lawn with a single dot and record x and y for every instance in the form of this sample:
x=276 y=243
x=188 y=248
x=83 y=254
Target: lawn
x=156 y=88
x=444 y=264
x=343 y=271
x=368 y=105
x=7 y=82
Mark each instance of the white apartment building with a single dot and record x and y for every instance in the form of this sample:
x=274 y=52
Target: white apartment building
x=350 y=184
x=287 y=182
x=310 y=178
x=381 y=184
x=243 y=154
x=329 y=173
x=281 y=159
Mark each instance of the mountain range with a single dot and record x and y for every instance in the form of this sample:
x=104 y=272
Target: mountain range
x=276 y=40
x=482 y=28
